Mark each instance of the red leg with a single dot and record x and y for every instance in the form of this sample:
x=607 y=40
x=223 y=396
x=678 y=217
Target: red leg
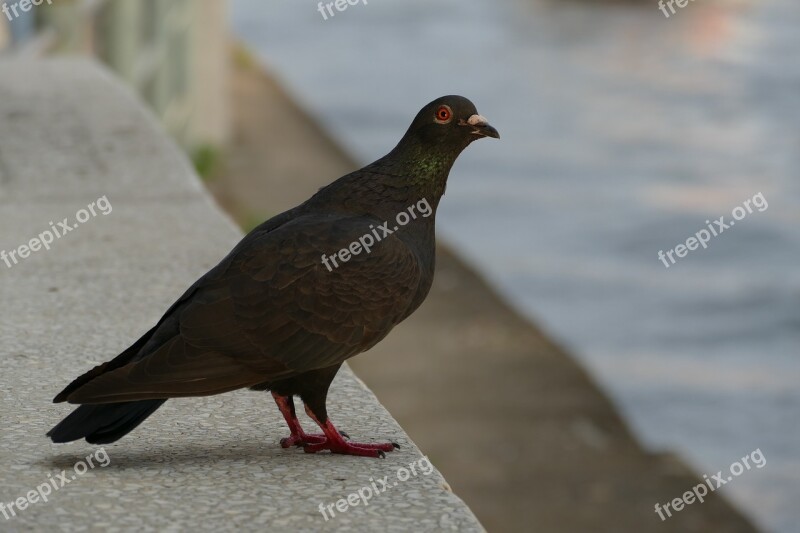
x=336 y=444
x=298 y=437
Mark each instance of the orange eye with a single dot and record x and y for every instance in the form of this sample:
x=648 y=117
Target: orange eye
x=444 y=114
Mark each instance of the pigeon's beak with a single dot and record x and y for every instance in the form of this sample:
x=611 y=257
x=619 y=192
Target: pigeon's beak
x=480 y=126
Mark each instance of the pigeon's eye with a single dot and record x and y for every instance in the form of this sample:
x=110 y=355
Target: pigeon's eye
x=444 y=114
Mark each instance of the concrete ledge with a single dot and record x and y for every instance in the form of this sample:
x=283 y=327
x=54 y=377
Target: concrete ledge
x=70 y=134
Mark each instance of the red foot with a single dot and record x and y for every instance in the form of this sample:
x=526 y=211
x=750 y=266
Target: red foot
x=332 y=439
x=336 y=444
x=353 y=448
x=302 y=440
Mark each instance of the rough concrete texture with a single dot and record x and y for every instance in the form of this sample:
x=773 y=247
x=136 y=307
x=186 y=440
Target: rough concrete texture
x=69 y=135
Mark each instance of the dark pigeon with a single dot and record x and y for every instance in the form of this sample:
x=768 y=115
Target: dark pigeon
x=286 y=308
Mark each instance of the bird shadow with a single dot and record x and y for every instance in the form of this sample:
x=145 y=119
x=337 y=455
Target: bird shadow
x=193 y=454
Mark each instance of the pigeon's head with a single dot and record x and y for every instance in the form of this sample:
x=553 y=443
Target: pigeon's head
x=451 y=121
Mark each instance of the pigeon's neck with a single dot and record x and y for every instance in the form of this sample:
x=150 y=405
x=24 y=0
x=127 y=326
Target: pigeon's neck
x=412 y=174
x=420 y=167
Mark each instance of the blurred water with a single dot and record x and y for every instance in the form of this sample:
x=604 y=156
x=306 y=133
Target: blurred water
x=623 y=132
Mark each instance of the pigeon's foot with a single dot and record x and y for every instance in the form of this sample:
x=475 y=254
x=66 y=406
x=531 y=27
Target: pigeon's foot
x=335 y=443
x=298 y=436
x=353 y=448
x=302 y=440
x=305 y=439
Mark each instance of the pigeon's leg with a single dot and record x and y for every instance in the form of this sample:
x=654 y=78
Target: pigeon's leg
x=298 y=436
x=335 y=443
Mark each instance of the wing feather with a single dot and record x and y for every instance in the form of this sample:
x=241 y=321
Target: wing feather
x=272 y=310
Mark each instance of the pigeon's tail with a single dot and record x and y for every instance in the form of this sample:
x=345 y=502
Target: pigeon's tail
x=103 y=423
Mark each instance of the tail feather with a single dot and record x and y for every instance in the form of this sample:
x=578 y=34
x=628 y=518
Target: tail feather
x=103 y=423
x=121 y=360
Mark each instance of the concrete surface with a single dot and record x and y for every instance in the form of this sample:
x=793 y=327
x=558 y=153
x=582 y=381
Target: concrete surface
x=69 y=135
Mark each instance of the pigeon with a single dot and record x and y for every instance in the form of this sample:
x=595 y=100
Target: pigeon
x=295 y=298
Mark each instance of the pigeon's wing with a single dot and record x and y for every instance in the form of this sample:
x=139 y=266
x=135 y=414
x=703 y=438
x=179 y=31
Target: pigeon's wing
x=166 y=328
x=273 y=310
